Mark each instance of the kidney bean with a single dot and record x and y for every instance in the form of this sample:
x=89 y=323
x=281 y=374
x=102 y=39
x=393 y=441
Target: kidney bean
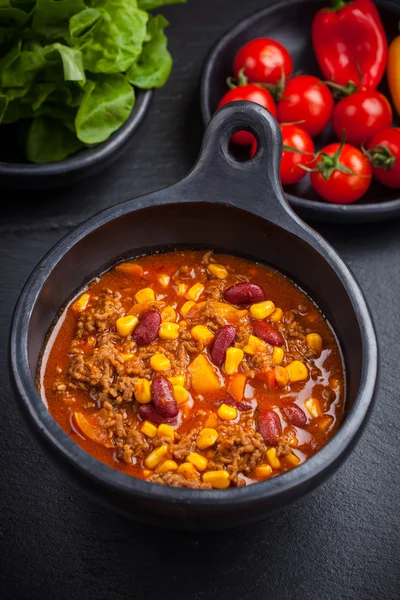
x=240 y=405
x=223 y=339
x=147 y=329
x=267 y=332
x=162 y=394
x=148 y=412
x=244 y=293
x=295 y=415
x=269 y=425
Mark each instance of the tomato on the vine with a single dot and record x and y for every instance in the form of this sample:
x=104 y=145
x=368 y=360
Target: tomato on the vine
x=384 y=155
x=251 y=93
x=361 y=115
x=308 y=101
x=263 y=61
x=297 y=149
x=342 y=173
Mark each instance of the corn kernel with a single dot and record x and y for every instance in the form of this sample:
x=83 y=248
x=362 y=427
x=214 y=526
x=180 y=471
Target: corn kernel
x=165 y=430
x=81 y=303
x=314 y=341
x=159 y=362
x=207 y=437
x=168 y=331
x=145 y=295
x=281 y=376
x=218 y=480
x=297 y=371
x=226 y=412
x=149 y=429
x=186 y=307
x=291 y=460
x=168 y=314
x=277 y=355
x=125 y=325
x=177 y=380
x=277 y=315
x=263 y=471
x=218 y=271
x=212 y=420
x=147 y=473
x=262 y=310
x=195 y=292
x=273 y=459
x=183 y=325
x=164 y=280
x=200 y=332
x=142 y=392
x=180 y=394
x=313 y=406
x=324 y=422
x=293 y=442
x=199 y=461
x=233 y=358
x=254 y=345
x=187 y=470
x=129 y=269
x=156 y=457
x=181 y=290
x=167 y=466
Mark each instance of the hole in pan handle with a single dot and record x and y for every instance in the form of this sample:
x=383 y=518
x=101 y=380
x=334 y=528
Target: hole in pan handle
x=254 y=184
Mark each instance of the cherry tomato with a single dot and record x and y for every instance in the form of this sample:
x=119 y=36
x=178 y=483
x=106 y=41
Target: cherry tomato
x=384 y=153
x=361 y=115
x=252 y=93
x=307 y=99
x=332 y=183
x=293 y=138
x=263 y=61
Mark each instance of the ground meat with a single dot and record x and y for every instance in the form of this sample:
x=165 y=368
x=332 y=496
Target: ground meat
x=102 y=315
x=240 y=449
x=178 y=480
x=186 y=445
x=206 y=259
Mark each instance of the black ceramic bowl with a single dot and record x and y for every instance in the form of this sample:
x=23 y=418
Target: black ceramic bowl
x=231 y=207
x=290 y=23
x=28 y=176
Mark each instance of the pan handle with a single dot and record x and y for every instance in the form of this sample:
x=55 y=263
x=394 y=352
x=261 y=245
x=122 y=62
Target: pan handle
x=254 y=184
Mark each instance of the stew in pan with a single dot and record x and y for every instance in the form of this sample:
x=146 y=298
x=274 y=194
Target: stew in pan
x=195 y=370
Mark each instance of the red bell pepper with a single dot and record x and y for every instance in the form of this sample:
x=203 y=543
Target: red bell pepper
x=350 y=43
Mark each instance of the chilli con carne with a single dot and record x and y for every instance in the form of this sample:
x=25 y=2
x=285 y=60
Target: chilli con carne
x=202 y=371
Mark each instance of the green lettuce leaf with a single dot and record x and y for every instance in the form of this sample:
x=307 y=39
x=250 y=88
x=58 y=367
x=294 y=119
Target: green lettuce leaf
x=50 y=141
x=83 y=21
x=51 y=17
x=155 y=62
x=150 y=4
x=107 y=103
x=116 y=39
x=20 y=68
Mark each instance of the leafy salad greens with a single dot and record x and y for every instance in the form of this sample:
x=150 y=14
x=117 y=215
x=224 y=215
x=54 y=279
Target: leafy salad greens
x=68 y=68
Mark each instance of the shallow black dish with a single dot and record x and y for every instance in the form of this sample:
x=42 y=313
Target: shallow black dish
x=235 y=207
x=28 y=176
x=290 y=24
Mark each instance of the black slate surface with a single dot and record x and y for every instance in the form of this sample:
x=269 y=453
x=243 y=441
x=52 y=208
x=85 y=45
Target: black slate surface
x=339 y=543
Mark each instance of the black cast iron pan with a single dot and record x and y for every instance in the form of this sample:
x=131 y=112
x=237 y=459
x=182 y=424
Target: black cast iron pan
x=228 y=206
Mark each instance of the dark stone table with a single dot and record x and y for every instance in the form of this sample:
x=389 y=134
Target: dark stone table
x=339 y=543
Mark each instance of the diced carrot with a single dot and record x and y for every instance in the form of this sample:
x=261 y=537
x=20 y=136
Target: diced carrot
x=270 y=380
x=130 y=269
x=204 y=378
x=94 y=434
x=237 y=385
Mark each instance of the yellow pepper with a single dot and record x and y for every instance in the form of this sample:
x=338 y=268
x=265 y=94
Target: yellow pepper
x=393 y=71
